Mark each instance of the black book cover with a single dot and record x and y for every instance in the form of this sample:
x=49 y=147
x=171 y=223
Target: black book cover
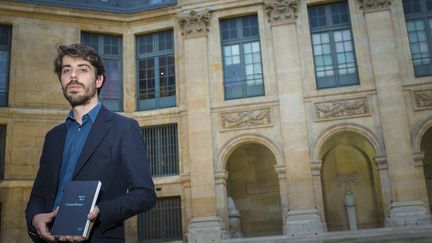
x=78 y=200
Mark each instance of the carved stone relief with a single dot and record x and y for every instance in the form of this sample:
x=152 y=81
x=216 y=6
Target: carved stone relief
x=371 y=5
x=281 y=11
x=423 y=99
x=341 y=108
x=246 y=119
x=194 y=23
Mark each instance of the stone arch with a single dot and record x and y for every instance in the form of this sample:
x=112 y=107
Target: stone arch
x=347 y=127
x=347 y=138
x=224 y=174
x=231 y=145
x=418 y=132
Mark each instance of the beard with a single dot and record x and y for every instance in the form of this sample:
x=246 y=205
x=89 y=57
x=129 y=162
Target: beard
x=77 y=99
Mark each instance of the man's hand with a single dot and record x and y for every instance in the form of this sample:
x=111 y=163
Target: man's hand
x=92 y=216
x=40 y=223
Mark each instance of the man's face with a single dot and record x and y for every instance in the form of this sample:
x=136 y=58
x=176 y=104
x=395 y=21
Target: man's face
x=79 y=81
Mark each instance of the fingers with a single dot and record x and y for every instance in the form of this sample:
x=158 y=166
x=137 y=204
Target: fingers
x=93 y=214
x=72 y=238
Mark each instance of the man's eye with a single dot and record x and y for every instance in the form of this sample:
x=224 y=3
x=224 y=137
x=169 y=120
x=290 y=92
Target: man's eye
x=65 y=70
x=83 y=70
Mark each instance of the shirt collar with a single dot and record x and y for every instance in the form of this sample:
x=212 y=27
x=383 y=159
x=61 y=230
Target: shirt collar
x=92 y=114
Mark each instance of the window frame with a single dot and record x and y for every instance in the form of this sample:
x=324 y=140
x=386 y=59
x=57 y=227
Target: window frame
x=330 y=29
x=156 y=55
x=162 y=146
x=109 y=103
x=7 y=48
x=3 y=137
x=425 y=16
x=241 y=40
x=164 y=223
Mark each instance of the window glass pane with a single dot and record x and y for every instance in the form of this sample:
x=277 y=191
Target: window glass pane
x=332 y=45
x=109 y=48
x=156 y=73
x=5 y=49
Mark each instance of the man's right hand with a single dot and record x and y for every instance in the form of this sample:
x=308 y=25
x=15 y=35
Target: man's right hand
x=41 y=221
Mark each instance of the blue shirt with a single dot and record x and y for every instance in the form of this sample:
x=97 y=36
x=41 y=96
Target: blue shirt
x=76 y=137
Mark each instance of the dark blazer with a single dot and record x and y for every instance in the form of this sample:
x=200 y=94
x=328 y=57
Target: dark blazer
x=115 y=154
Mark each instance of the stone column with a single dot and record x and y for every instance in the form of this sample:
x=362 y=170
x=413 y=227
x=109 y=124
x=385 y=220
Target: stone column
x=302 y=217
x=407 y=207
x=381 y=163
x=129 y=75
x=317 y=188
x=221 y=197
x=421 y=180
x=283 y=189
x=205 y=225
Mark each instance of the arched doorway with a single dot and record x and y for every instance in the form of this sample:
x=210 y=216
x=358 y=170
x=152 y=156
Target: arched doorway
x=348 y=169
x=254 y=187
x=426 y=147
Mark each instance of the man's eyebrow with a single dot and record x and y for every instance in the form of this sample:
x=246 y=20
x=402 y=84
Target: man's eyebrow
x=83 y=65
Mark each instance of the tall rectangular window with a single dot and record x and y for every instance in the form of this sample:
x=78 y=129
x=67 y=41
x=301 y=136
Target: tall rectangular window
x=109 y=48
x=241 y=51
x=333 y=46
x=2 y=150
x=162 y=223
x=156 y=71
x=162 y=149
x=5 y=52
x=418 y=15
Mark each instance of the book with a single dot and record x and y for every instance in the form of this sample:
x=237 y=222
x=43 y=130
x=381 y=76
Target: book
x=78 y=200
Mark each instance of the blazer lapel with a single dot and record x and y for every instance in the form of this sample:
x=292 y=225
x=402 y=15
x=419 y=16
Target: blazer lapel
x=100 y=128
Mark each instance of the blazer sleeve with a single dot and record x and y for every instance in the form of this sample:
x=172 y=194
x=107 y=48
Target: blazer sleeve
x=141 y=194
x=37 y=201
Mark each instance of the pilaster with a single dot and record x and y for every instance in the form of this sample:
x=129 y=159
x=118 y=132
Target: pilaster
x=205 y=226
x=406 y=207
x=302 y=218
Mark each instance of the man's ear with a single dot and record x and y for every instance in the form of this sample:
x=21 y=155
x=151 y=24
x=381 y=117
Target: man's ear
x=99 y=81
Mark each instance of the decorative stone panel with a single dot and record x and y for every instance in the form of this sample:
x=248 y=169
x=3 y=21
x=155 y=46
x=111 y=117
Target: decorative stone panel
x=341 y=109
x=281 y=11
x=422 y=99
x=372 y=5
x=194 y=24
x=246 y=119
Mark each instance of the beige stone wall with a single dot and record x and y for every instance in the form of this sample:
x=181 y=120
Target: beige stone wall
x=291 y=126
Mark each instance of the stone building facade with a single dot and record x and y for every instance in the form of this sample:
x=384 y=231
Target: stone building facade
x=287 y=155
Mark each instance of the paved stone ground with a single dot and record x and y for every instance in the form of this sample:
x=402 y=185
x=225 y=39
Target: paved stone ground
x=415 y=234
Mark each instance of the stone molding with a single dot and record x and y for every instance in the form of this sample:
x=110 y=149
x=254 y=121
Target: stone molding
x=247 y=119
x=381 y=162
x=281 y=171
x=194 y=24
x=281 y=11
x=418 y=158
x=316 y=167
x=422 y=99
x=374 y=5
x=336 y=109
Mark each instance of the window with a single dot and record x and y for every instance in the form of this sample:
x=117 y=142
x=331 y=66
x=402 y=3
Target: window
x=156 y=71
x=5 y=51
x=109 y=48
x=241 y=51
x=332 y=44
x=163 y=222
x=2 y=150
x=418 y=14
x=162 y=149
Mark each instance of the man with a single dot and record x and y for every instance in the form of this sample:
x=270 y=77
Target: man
x=92 y=144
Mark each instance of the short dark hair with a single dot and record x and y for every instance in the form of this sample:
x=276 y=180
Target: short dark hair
x=79 y=51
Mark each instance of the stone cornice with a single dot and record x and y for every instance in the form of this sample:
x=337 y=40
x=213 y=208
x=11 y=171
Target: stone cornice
x=281 y=11
x=373 y=5
x=194 y=24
